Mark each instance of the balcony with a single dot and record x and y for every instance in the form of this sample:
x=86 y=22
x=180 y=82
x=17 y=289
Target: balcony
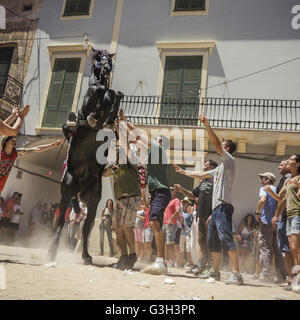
x=10 y=90
x=232 y=113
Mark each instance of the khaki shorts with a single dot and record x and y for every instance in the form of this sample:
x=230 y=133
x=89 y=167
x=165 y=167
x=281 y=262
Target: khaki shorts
x=125 y=214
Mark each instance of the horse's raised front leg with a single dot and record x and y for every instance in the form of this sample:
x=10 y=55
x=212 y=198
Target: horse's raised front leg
x=115 y=108
x=91 y=198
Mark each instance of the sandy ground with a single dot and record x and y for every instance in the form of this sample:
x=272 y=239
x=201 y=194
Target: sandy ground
x=27 y=278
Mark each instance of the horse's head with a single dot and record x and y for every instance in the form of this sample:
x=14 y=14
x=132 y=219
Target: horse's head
x=102 y=61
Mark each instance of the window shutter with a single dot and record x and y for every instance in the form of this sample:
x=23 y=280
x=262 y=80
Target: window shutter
x=191 y=84
x=189 y=5
x=181 y=86
x=171 y=88
x=77 y=7
x=197 y=4
x=61 y=92
x=181 y=4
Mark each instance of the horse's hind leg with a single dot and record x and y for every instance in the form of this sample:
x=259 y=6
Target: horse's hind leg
x=65 y=200
x=91 y=198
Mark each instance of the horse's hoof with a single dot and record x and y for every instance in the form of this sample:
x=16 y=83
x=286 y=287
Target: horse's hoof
x=88 y=260
x=91 y=121
x=51 y=257
x=120 y=95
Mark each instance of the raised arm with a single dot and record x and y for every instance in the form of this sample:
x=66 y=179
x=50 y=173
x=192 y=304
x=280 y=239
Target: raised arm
x=276 y=196
x=192 y=174
x=130 y=127
x=185 y=192
x=22 y=151
x=6 y=129
x=211 y=135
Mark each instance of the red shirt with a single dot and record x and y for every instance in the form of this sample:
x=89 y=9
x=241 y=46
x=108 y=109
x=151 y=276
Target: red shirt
x=147 y=219
x=8 y=208
x=172 y=207
x=6 y=164
x=66 y=214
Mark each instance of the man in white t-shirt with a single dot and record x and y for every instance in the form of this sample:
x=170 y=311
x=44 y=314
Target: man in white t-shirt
x=220 y=222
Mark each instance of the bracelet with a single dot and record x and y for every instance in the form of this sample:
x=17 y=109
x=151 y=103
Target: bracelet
x=257 y=213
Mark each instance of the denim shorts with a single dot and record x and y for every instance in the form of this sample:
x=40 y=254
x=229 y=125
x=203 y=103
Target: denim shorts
x=293 y=226
x=282 y=239
x=169 y=232
x=147 y=235
x=160 y=199
x=220 y=229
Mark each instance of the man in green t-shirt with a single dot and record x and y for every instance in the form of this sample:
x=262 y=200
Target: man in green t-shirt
x=157 y=180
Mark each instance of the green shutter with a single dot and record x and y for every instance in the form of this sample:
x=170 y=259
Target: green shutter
x=181 y=4
x=189 y=5
x=61 y=92
x=77 y=7
x=182 y=80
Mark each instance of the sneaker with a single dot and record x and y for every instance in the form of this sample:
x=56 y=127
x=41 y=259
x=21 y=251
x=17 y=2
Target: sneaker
x=211 y=274
x=255 y=276
x=157 y=268
x=197 y=270
x=132 y=258
x=170 y=264
x=235 y=278
x=122 y=263
x=287 y=287
x=296 y=283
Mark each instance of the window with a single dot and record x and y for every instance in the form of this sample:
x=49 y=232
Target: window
x=5 y=61
x=77 y=8
x=61 y=91
x=181 y=84
x=189 y=7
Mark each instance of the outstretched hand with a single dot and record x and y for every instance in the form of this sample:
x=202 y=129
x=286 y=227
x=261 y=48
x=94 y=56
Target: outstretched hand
x=178 y=169
x=203 y=119
x=23 y=113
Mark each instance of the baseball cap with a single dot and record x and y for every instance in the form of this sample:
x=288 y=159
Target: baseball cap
x=268 y=175
x=186 y=199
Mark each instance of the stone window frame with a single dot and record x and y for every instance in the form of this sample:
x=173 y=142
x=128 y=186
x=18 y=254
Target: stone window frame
x=203 y=48
x=67 y=51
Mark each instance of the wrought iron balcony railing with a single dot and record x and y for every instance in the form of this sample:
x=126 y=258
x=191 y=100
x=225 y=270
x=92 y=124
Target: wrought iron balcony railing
x=257 y=114
x=10 y=89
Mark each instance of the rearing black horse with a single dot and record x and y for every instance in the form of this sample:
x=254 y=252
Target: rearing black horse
x=83 y=174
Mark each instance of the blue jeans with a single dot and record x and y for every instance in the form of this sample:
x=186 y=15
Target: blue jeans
x=107 y=229
x=220 y=229
x=282 y=239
